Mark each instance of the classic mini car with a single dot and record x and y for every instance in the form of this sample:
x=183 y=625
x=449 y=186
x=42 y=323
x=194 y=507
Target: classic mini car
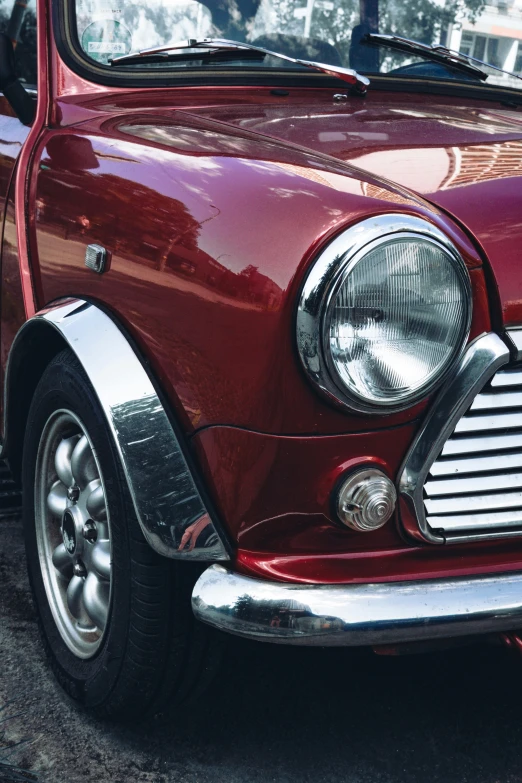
x=261 y=328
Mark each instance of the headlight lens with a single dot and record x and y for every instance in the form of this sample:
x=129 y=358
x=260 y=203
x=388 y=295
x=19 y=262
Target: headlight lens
x=393 y=316
x=395 y=320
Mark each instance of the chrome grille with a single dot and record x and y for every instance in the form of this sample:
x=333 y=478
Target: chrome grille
x=475 y=486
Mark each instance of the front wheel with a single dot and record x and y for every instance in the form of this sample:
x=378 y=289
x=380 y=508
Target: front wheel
x=114 y=616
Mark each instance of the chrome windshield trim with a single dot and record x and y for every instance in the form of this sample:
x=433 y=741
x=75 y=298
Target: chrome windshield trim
x=479 y=363
x=170 y=509
x=357 y=614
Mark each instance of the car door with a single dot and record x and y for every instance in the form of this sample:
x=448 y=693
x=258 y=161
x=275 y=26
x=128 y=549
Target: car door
x=12 y=132
x=19 y=23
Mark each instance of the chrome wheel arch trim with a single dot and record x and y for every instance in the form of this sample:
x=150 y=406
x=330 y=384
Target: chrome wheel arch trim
x=173 y=515
x=321 y=278
x=482 y=358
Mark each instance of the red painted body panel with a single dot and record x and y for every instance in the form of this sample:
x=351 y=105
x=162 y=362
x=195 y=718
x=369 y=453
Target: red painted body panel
x=11 y=295
x=276 y=496
x=213 y=203
x=206 y=266
x=465 y=159
x=276 y=492
x=12 y=138
x=388 y=565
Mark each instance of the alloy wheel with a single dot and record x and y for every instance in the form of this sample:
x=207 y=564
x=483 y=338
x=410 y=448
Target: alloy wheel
x=73 y=533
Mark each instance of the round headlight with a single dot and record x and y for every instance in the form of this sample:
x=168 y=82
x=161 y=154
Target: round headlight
x=384 y=313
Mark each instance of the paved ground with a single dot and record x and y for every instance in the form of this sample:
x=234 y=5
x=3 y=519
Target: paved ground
x=289 y=716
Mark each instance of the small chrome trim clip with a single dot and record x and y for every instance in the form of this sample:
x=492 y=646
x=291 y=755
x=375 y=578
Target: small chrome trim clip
x=96 y=258
x=357 y=614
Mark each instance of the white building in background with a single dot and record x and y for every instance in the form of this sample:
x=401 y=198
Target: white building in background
x=496 y=37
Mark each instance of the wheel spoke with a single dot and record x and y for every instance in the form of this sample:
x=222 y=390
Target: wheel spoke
x=57 y=499
x=96 y=600
x=101 y=559
x=83 y=465
x=75 y=600
x=103 y=530
x=62 y=459
x=62 y=561
x=96 y=501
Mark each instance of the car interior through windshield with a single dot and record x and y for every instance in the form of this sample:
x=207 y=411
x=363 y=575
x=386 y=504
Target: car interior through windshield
x=328 y=31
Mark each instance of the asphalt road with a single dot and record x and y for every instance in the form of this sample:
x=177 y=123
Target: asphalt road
x=276 y=714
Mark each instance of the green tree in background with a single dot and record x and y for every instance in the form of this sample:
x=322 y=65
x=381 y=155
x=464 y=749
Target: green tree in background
x=333 y=20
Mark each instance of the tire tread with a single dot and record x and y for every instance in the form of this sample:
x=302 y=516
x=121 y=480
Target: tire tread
x=168 y=656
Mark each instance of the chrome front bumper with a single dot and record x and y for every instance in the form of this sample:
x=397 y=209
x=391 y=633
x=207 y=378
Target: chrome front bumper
x=352 y=615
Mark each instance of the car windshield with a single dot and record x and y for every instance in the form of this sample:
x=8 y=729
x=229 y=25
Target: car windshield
x=328 y=31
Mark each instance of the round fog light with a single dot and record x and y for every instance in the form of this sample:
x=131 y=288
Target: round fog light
x=366 y=500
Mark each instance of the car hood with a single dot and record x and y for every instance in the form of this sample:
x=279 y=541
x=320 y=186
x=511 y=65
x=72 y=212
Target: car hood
x=466 y=161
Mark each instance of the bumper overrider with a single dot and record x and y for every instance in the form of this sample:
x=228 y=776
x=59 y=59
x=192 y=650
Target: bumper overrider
x=391 y=612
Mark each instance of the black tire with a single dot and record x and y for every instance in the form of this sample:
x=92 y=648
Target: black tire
x=153 y=654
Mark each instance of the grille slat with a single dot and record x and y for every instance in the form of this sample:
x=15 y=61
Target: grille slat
x=507 y=378
x=461 y=523
x=476 y=483
x=495 y=421
x=483 y=443
x=511 y=399
x=467 y=484
x=474 y=503
x=452 y=467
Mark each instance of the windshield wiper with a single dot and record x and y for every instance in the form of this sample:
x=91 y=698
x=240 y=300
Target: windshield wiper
x=212 y=48
x=437 y=52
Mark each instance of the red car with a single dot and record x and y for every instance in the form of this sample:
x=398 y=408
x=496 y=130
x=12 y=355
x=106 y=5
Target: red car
x=261 y=328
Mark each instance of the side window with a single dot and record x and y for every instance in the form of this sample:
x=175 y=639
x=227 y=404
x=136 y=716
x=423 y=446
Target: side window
x=18 y=20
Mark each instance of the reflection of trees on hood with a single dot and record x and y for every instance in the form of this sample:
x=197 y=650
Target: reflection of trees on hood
x=159 y=222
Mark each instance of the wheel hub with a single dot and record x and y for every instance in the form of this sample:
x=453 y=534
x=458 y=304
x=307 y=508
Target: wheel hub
x=69 y=531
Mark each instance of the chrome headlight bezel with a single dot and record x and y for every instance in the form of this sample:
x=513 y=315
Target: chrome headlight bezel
x=325 y=277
